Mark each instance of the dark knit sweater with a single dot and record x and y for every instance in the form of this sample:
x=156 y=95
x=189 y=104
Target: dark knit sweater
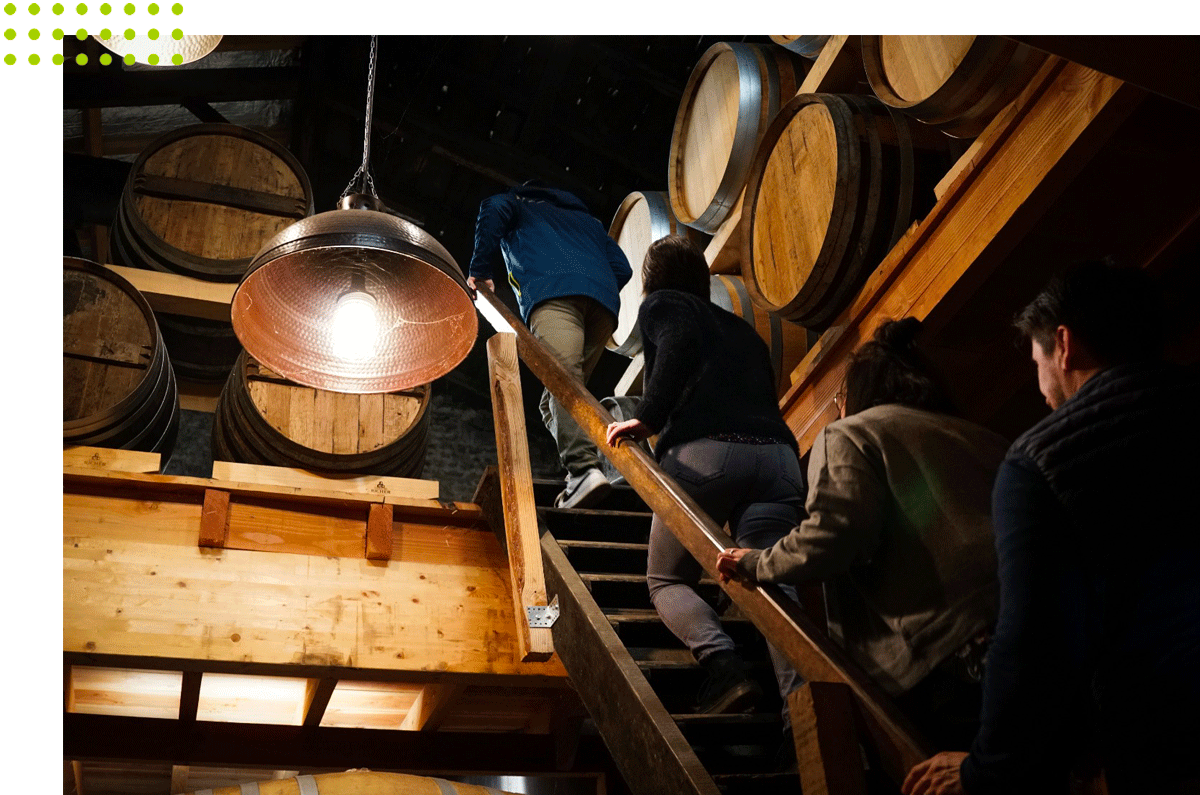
x=1097 y=645
x=707 y=372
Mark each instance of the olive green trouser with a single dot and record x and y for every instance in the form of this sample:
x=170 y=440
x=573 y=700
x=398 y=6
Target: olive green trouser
x=576 y=329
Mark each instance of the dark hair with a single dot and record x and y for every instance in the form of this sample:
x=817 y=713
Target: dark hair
x=675 y=263
x=891 y=369
x=1114 y=311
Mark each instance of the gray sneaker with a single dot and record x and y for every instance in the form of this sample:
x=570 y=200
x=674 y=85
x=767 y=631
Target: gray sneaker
x=584 y=490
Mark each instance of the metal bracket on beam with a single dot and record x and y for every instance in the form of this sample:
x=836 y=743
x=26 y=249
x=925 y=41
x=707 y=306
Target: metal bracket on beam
x=542 y=615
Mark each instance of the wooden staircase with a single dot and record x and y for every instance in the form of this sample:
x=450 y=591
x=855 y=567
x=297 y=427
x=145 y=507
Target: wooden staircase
x=636 y=679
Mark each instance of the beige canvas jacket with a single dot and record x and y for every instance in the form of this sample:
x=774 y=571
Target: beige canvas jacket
x=899 y=528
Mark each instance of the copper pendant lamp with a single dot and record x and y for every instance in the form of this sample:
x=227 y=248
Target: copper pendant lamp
x=355 y=299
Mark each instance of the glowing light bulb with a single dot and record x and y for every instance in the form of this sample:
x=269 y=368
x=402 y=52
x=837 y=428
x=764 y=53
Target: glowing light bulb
x=354 y=332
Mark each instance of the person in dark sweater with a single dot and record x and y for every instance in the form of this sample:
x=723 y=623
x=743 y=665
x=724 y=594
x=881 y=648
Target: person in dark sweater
x=1096 y=656
x=709 y=395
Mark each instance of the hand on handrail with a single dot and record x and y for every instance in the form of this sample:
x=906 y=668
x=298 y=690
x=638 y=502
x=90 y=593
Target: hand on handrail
x=491 y=285
x=628 y=429
x=727 y=561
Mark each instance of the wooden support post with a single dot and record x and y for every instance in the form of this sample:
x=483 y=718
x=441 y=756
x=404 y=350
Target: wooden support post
x=179 y=779
x=179 y=294
x=77 y=774
x=827 y=749
x=189 y=696
x=432 y=706
x=380 y=526
x=516 y=489
x=214 y=519
x=316 y=698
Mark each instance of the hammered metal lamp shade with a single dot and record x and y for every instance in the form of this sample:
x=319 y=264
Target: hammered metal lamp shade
x=188 y=48
x=355 y=301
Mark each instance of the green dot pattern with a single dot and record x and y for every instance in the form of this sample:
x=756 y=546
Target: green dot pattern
x=34 y=9
x=58 y=59
x=152 y=8
x=177 y=9
x=81 y=34
x=34 y=60
x=106 y=34
x=177 y=59
x=10 y=34
x=81 y=9
x=105 y=59
x=129 y=33
x=58 y=8
x=10 y=59
x=105 y=9
x=152 y=60
x=10 y=9
x=177 y=34
x=153 y=34
x=81 y=59
x=57 y=34
x=129 y=8
x=35 y=34
x=128 y=59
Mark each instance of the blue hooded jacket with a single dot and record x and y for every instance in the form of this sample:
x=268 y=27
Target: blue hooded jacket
x=552 y=247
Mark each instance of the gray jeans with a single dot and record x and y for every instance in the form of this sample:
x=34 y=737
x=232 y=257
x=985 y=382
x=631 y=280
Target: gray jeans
x=758 y=490
x=576 y=328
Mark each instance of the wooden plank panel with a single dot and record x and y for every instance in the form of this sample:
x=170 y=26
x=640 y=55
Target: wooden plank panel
x=135 y=584
x=1030 y=151
x=345 y=423
x=516 y=488
x=370 y=485
x=272 y=526
x=370 y=423
x=113 y=460
x=323 y=422
x=300 y=419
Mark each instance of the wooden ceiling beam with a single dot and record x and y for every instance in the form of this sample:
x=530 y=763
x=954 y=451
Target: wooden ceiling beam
x=112 y=89
x=87 y=737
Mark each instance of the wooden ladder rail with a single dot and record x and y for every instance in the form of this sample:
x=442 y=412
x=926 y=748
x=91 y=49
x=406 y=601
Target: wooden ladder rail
x=780 y=619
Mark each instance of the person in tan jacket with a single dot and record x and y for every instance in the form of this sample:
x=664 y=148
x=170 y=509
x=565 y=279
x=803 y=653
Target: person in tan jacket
x=899 y=530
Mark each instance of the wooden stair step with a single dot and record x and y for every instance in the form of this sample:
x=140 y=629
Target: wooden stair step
x=758 y=783
x=606 y=556
x=621 y=498
x=628 y=590
x=626 y=526
x=758 y=728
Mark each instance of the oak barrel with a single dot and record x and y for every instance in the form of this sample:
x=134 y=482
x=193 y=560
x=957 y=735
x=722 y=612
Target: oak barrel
x=642 y=218
x=201 y=201
x=955 y=83
x=834 y=185
x=787 y=342
x=263 y=418
x=118 y=385
x=732 y=95
x=355 y=782
x=804 y=46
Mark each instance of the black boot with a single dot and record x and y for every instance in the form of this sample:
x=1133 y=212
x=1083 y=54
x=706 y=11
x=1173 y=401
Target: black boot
x=727 y=689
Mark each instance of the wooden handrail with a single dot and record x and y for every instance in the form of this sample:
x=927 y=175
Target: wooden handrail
x=778 y=617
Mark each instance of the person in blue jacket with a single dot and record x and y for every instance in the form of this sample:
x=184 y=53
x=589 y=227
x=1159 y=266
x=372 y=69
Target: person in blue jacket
x=567 y=274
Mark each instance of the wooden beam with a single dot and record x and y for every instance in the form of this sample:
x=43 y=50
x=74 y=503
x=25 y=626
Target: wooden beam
x=106 y=737
x=827 y=745
x=103 y=458
x=837 y=70
x=630 y=382
x=189 y=696
x=177 y=294
x=316 y=698
x=113 y=89
x=373 y=485
x=380 y=524
x=1028 y=154
x=214 y=519
x=433 y=704
x=516 y=488
x=77 y=776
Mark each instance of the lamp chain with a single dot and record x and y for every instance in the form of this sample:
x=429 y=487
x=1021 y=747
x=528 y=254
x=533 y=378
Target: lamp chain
x=362 y=181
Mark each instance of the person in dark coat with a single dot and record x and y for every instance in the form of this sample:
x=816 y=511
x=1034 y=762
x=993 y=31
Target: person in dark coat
x=709 y=395
x=567 y=274
x=1096 y=655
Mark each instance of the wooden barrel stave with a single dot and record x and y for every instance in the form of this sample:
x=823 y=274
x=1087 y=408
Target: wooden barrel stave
x=642 y=218
x=709 y=162
x=882 y=184
x=262 y=418
x=805 y=46
x=118 y=385
x=953 y=90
